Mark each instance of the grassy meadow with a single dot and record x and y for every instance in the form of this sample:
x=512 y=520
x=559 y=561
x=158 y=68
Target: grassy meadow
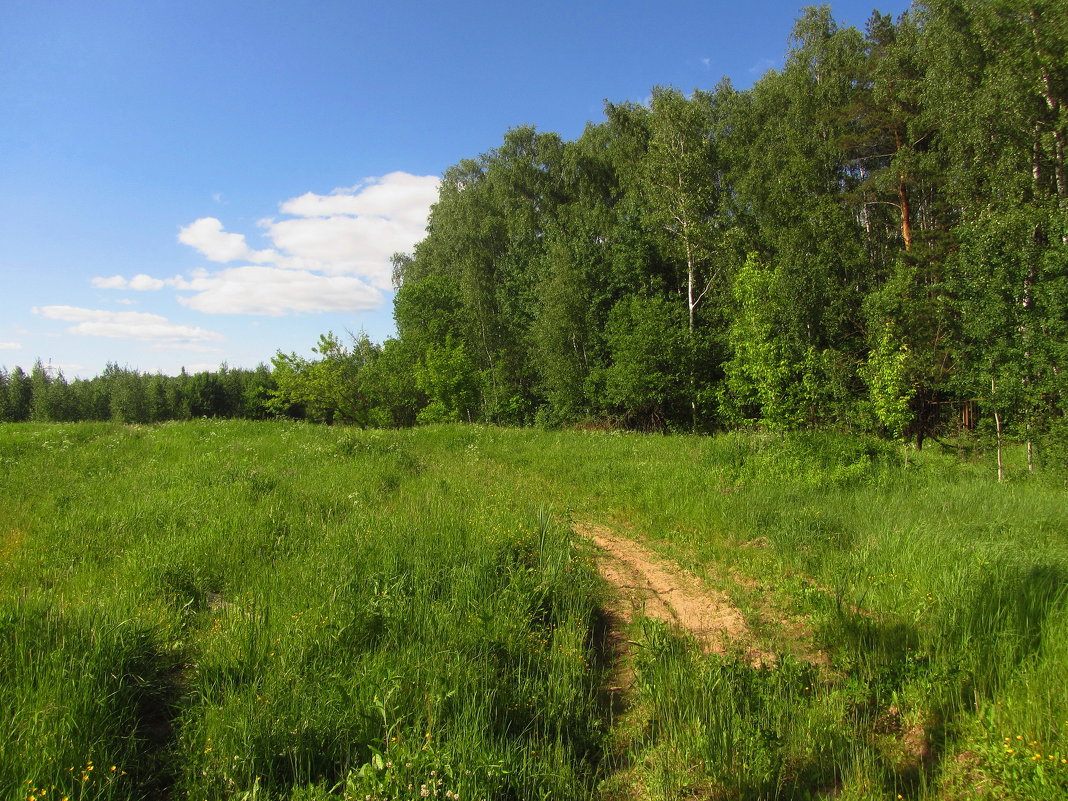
x=242 y=610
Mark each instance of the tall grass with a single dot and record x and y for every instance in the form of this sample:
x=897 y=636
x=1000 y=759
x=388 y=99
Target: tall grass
x=224 y=610
x=243 y=610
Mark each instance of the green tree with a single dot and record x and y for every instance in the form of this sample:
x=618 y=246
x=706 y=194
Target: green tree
x=649 y=348
x=255 y=401
x=41 y=410
x=20 y=396
x=771 y=377
x=680 y=181
x=887 y=375
x=206 y=395
x=448 y=378
x=329 y=389
x=392 y=384
x=127 y=395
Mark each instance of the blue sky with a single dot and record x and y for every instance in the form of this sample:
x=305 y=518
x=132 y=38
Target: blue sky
x=198 y=182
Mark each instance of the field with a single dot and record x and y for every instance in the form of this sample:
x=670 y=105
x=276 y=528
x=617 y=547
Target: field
x=215 y=610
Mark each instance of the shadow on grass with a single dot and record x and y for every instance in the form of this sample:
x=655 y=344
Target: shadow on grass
x=965 y=654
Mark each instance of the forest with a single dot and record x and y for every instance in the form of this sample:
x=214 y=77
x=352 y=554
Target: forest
x=873 y=238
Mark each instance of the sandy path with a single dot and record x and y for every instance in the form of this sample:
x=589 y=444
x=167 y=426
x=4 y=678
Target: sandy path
x=651 y=585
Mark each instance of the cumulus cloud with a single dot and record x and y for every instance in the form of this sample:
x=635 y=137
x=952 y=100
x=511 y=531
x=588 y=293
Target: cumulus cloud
x=111 y=282
x=139 y=282
x=329 y=253
x=10 y=346
x=399 y=196
x=207 y=236
x=352 y=231
x=275 y=291
x=344 y=245
x=126 y=325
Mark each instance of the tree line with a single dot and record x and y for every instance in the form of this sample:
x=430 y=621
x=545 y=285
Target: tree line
x=872 y=238
x=126 y=395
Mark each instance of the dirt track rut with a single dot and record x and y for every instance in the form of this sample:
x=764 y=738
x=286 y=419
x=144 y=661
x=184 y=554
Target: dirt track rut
x=651 y=585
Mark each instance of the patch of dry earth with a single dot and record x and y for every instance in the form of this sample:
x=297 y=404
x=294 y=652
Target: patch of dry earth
x=651 y=585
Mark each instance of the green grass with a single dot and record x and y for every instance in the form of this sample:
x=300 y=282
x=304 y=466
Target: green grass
x=276 y=610
x=225 y=609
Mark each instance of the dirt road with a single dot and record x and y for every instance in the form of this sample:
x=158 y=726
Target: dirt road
x=651 y=585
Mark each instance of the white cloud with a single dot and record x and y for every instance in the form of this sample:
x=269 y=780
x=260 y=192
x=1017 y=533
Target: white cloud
x=10 y=346
x=112 y=282
x=342 y=245
x=207 y=236
x=142 y=282
x=331 y=253
x=274 y=291
x=398 y=196
x=139 y=282
x=352 y=231
x=126 y=325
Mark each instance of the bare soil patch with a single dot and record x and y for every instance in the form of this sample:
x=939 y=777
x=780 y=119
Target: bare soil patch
x=651 y=585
